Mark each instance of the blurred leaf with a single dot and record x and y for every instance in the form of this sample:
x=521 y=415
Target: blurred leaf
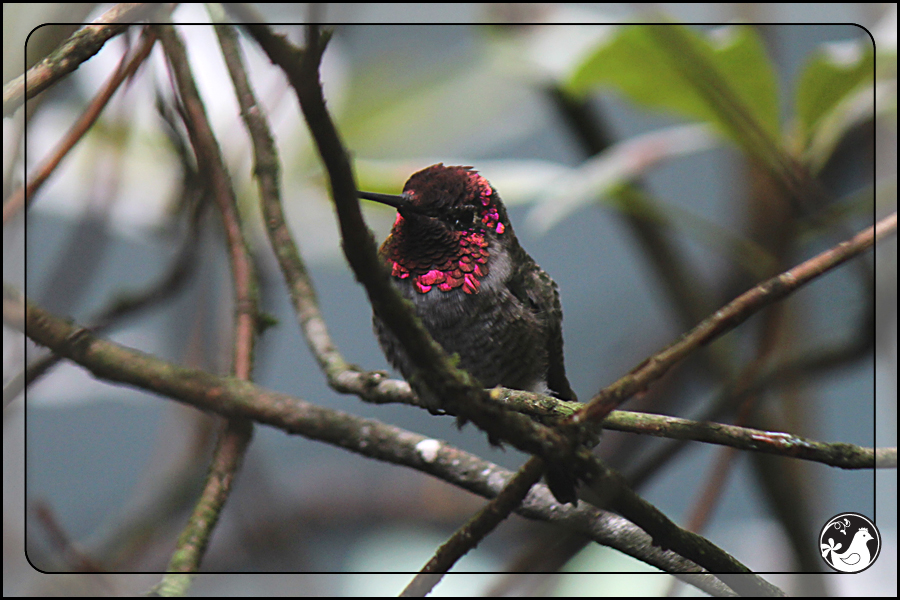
x=614 y=166
x=550 y=55
x=830 y=76
x=857 y=107
x=724 y=78
x=451 y=109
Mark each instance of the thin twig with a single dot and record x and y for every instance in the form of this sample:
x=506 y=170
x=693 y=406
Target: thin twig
x=236 y=434
x=25 y=195
x=469 y=535
x=835 y=454
x=267 y=171
x=81 y=46
x=838 y=454
x=74 y=557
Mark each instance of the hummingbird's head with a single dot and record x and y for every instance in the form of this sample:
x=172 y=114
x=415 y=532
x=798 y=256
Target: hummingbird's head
x=456 y=199
x=447 y=219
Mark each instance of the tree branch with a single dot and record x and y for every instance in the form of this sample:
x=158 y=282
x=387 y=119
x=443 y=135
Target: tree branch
x=237 y=432
x=81 y=46
x=232 y=397
x=478 y=527
x=730 y=316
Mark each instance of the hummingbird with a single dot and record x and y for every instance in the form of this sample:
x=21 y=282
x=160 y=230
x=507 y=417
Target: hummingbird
x=453 y=253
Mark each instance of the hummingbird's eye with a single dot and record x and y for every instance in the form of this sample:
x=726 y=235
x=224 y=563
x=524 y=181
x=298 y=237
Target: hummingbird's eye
x=464 y=219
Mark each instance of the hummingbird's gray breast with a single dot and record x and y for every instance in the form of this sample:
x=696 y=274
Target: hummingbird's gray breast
x=500 y=338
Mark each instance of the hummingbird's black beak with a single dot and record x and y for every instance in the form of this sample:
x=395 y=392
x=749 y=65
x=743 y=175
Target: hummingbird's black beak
x=401 y=203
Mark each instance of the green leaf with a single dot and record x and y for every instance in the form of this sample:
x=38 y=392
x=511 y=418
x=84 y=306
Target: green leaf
x=724 y=78
x=831 y=76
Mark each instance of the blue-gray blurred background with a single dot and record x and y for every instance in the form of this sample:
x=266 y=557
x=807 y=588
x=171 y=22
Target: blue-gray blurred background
x=116 y=469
